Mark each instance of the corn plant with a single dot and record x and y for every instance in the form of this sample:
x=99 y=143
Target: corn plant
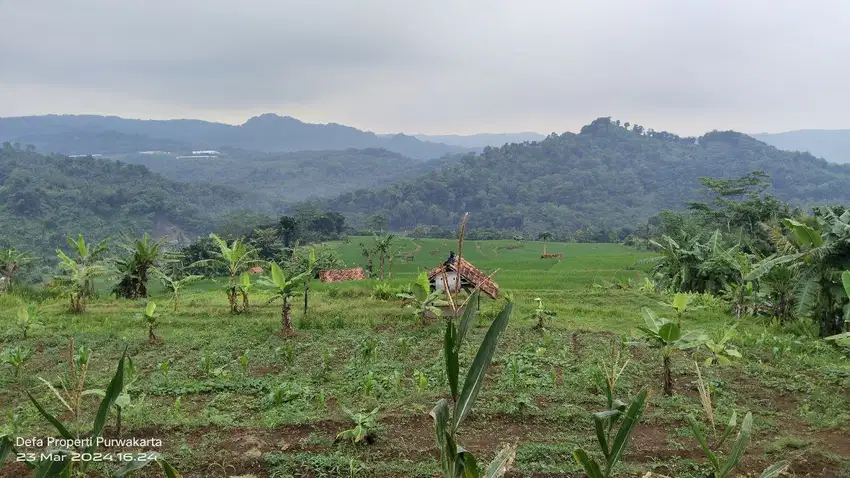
x=367 y=348
x=163 y=369
x=26 y=321
x=123 y=400
x=667 y=336
x=205 y=363
x=719 y=349
x=722 y=468
x=455 y=461
x=75 y=389
x=612 y=444
x=540 y=313
x=421 y=381
x=287 y=353
x=60 y=465
x=15 y=357
x=421 y=300
x=365 y=426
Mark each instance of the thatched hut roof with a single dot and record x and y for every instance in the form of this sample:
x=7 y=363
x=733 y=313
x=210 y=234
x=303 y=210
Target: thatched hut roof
x=469 y=272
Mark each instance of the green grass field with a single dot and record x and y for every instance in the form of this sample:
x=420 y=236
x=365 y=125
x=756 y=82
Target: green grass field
x=355 y=352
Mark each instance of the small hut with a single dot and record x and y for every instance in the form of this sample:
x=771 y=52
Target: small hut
x=461 y=275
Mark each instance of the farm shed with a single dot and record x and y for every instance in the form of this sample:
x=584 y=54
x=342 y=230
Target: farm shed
x=470 y=279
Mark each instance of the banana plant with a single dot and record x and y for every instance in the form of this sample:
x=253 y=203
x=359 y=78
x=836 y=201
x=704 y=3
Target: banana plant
x=455 y=461
x=282 y=288
x=421 y=300
x=605 y=421
x=151 y=320
x=26 y=321
x=245 y=286
x=15 y=357
x=60 y=465
x=723 y=468
x=541 y=313
x=679 y=304
x=667 y=336
x=719 y=349
x=364 y=427
x=175 y=285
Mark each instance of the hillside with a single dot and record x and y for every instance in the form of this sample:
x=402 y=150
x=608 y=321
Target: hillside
x=481 y=140
x=605 y=176
x=292 y=176
x=91 y=134
x=832 y=145
x=45 y=198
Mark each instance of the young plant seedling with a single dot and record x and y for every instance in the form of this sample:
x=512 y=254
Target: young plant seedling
x=365 y=425
x=667 y=336
x=540 y=314
x=26 y=320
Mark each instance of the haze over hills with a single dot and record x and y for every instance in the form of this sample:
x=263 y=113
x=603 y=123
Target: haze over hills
x=832 y=145
x=92 y=134
x=292 y=176
x=481 y=140
x=605 y=176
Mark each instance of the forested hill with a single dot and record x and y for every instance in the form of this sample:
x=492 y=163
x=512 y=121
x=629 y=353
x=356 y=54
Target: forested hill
x=92 y=134
x=607 y=175
x=293 y=176
x=45 y=198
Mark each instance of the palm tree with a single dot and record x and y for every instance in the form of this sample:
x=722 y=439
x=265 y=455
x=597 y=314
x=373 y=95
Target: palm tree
x=75 y=278
x=11 y=262
x=144 y=253
x=544 y=236
x=282 y=288
x=236 y=258
x=87 y=255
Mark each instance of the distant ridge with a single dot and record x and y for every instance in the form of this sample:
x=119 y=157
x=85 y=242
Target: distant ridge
x=94 y=134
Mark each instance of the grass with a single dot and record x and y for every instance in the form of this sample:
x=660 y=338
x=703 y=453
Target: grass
x=280 y=418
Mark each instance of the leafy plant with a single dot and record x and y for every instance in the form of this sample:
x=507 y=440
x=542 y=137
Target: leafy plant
x=205 y=363
x=719 y=349
x=143 y=255
x=76 y=281
x=151 y=320
x=383 y=291
x=16 y=357
x=421 y=300
x=235 y=258
x=365 y=425
x=540 y=313
x=11 y=262
x=164 y=369
x=612 y=445
x=60 y=463
x=667 y=336
x=455 y=461
x=282 y=288
x=175 y=285
x=679 y=304
x=243 y=362
x=26 y=321
x=75 y=388
x=245 y=286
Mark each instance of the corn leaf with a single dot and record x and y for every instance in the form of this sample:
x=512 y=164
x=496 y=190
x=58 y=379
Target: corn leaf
x=776 y=469
x=50 y=418
x=116 y=386
x=739 y=446
x=695 y=429
x=590 y=466
x=56 y=392
x=131 y=466
x=501 y=463
x=451 y=355
x=5 y=448
x=440 y=414
x=465 y=464
x=633 y=416
x=54 y=467
x=168 y=470
x=599 y=424
x=469 y=316
x=733 y=422
x=475 y=376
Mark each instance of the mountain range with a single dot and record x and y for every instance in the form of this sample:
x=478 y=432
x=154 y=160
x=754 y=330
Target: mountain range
x=832 y=145
x=106 y=135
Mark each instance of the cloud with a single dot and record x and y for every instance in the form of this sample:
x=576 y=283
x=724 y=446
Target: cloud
x=434 y=67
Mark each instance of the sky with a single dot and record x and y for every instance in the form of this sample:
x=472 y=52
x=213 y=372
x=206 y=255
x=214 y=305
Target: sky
x=436 y=66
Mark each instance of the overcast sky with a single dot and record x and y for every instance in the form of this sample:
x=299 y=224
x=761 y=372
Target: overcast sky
x=435 y=66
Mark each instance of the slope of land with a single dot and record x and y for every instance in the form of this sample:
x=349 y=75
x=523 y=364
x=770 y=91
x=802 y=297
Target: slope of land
x=832 y=145
x=90 y=134
x=292 y=176
x=45 y=198
x=604 y=176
